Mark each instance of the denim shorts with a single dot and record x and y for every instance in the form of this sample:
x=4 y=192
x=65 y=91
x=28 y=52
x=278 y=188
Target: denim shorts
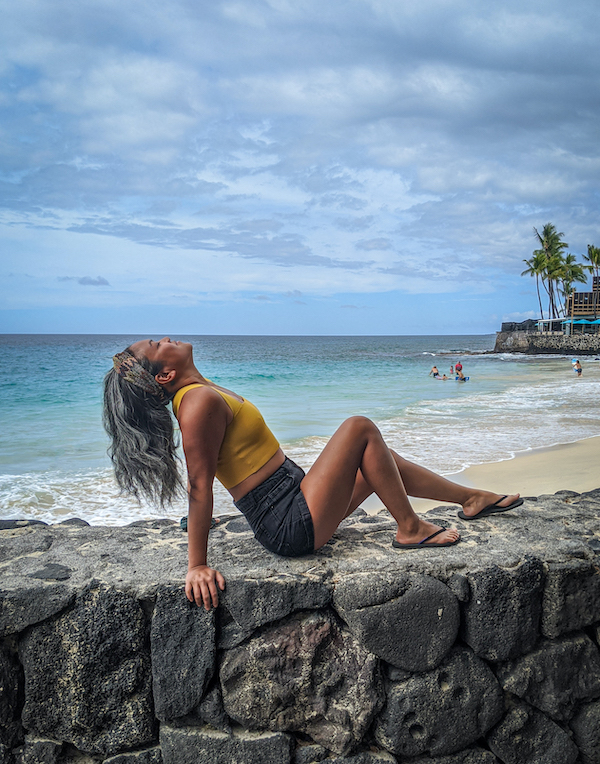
x=278 y=514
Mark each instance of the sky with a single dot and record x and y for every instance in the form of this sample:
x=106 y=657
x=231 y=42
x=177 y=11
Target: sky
x=279 y=167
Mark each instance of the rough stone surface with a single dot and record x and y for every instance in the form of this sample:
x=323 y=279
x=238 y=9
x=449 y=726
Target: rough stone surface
x=39 y=751
x=43 y=569
x=10 y=686
x=304 y=675
x=147 y=756
x=571 y=597
x=143 y=557
x=526 y=736
x=469 y=756
x=251 y=602
x=182 y=641
x=536 y=343
x=362 y=757
x=586 y=732
x=87 y=674
x=12 y=735
x=411 y=621
x=441 y=711
x=310 y=754
x=556 y=675
x=35 y=602
x=197 y=745
x=502 y=616
x=211 y=710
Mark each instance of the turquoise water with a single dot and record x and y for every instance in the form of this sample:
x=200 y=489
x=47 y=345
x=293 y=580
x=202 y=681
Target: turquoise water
x=53 y=462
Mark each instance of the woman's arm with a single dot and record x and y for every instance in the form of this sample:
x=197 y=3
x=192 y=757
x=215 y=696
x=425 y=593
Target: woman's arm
x=203 y=421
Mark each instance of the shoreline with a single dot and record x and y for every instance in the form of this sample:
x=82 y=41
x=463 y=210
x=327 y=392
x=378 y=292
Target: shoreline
x=561 y=467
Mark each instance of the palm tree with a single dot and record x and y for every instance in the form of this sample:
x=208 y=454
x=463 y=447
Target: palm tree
x=552 y=247
x=572 y=272
x=536 y=268
x=593 y=258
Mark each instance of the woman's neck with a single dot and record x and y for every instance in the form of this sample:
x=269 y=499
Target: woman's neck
x=188 y=377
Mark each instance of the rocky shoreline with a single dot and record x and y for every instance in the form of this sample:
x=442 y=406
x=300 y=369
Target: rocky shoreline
x=537 y=343
x=480 y=653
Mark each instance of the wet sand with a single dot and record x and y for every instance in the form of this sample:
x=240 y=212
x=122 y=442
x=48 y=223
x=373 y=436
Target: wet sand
x=571 y=466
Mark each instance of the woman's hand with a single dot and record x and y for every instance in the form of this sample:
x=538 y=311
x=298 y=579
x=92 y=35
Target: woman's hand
x=201 y=586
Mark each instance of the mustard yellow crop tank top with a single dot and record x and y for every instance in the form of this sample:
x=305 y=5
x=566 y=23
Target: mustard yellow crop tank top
x=248 y=443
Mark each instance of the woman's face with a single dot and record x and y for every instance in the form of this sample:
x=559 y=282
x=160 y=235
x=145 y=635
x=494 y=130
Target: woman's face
x=165 y=352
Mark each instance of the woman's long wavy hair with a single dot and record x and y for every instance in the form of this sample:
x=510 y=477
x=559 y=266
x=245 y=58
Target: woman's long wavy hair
x=143 y=445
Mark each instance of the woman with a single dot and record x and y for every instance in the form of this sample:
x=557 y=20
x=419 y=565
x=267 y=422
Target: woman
x=225 y=436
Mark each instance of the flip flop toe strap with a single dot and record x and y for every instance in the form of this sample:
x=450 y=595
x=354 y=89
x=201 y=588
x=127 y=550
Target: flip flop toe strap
x=433 y=535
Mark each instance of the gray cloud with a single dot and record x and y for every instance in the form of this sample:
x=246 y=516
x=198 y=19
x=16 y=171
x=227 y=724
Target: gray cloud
x=439 y=133
x=86 y=280
x=373 y=244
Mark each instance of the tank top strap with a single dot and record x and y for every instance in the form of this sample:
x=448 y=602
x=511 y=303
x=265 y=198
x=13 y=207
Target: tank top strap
x=176 y=402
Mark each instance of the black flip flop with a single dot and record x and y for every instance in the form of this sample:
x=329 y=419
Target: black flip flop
x=423 y=544
x=491 y=509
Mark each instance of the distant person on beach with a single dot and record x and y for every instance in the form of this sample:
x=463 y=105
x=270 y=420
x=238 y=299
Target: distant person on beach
x=451 y=371
x=577 y=368
x=434 y=371
x=458 y=367
x=291 y=512
x=460 y=376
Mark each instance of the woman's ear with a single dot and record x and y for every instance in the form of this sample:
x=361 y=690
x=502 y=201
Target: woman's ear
x=165 y=377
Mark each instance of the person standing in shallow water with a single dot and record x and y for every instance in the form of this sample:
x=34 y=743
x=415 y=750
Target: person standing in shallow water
x=292 y=513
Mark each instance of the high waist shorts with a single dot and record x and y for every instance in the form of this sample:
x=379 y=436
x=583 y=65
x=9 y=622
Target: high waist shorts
x=278 y=513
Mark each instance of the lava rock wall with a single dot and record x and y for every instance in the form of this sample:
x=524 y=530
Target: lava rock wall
x=481 y=653
x=534 y=343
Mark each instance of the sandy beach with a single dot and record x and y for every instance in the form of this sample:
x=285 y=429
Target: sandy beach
x=569 y=466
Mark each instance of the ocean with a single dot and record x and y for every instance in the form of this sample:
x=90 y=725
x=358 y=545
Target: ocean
x=53 y=462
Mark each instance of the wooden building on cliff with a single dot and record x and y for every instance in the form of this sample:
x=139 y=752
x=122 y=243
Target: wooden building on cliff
x=585 y=304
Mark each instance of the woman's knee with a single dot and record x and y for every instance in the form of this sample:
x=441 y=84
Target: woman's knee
x=360 y=426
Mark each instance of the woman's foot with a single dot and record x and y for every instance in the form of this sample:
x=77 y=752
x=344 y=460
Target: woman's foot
x=490 y=503
x=424 y=530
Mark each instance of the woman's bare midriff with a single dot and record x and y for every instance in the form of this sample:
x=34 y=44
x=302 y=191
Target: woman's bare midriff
x=252 y=481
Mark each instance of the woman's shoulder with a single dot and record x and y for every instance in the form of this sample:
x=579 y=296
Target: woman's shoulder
x=196 y=397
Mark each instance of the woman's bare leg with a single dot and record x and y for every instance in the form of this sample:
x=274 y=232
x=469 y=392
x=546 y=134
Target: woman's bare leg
x=333 y=484
x=422 y=483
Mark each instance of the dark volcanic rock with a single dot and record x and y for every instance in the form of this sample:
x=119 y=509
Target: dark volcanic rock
x=571 y=597
x=87 y=674
x=310 y=754
x=200 y=745
x=410 y=621
x=249 y=603
x=211 y=710
x=362 y=757
x=182 y=641
x=52 y=572
x=40 y=751
x=306 y=675
x=11 y=681
x=502 y=616
x=32 y=603
x=526 y=736
x=586 y=732
x=556 y=675
x=441 y=711
x=469 y=756
x=147 y=756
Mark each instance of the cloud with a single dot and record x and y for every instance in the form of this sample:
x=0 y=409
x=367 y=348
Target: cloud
x=286 y=138
x=371 y=244
x=86 y=280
